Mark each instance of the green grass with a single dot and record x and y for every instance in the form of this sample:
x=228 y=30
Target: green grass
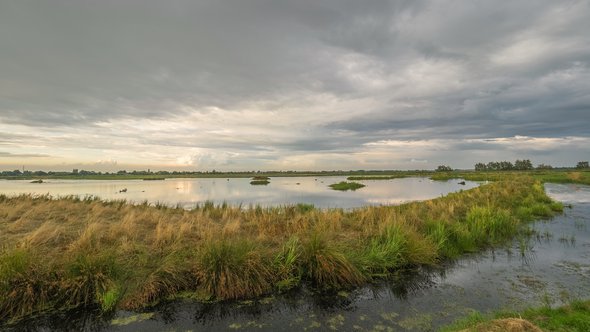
x=553 y=176
x=574 y=317
x=259 y=182
x=376 y=177
x=77 y=252
x=345 y=186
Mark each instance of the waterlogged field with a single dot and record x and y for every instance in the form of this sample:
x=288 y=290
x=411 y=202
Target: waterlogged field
x=187 y=193
x=86 y=253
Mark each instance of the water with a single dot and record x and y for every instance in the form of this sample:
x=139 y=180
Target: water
x=281 y=191
x=554 y=268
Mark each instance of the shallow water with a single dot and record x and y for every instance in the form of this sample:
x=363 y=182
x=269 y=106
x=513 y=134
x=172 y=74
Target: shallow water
x=553 y=267
x=281 y=191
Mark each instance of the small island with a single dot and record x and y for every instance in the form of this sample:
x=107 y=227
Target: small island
x=260 y=181
x=344 y=186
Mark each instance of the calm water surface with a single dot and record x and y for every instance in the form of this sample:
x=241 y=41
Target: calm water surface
x=554 y=268
x=280 y=191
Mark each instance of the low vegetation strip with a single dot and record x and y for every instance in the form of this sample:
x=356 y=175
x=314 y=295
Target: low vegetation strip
x=259 y=182
x=71 y=252
x=376 y=177
x=554 y=176
x=574 y=317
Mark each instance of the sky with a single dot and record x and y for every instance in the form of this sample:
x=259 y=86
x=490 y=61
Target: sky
x=292 y=85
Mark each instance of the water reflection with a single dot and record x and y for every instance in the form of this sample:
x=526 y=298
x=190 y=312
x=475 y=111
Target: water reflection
x=281 y=191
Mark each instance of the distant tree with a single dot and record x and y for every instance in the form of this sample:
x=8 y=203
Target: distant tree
x=506 y=166
x=544 y=166
x=444 y=168
x=582 y=164
x=493 y=166
x=480 y=167
x=523 y=165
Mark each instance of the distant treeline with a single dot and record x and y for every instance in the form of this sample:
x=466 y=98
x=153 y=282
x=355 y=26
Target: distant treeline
x=519 y=165
x=524 y=164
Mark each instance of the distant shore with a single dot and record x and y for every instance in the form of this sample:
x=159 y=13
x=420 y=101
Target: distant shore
x=556 y=175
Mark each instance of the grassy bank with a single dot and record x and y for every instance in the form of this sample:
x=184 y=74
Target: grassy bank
x=574 y=317
x=71 y=252
x=570 y=175
x=554 y=176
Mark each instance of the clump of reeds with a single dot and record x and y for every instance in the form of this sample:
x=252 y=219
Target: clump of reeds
x=233 y=269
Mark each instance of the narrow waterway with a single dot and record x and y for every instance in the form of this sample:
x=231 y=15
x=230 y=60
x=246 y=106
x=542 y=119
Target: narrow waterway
x=551 y=267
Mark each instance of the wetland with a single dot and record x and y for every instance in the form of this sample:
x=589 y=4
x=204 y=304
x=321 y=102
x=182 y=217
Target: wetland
x=400 y=271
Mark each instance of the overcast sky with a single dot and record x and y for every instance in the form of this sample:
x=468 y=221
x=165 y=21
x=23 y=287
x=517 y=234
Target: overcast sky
x=292 y=85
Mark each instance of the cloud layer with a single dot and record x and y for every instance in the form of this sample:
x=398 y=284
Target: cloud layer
x=298 y=85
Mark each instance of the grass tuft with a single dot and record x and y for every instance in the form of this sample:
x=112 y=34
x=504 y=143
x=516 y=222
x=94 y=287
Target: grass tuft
x=233 y=269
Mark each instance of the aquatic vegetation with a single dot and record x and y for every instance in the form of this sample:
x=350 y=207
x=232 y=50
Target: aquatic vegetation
x=83 y=252
x=344 y=186
x=259 y=182
x=376 y=177
x=573 y=317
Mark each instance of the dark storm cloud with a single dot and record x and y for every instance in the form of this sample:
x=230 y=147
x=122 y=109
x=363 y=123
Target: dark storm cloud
x=337 y=75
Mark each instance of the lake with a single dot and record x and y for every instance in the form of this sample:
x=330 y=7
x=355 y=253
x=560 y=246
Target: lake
x=235 y=191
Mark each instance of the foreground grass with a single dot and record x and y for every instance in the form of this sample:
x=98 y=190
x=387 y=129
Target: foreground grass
x=72 y=252
x=574 y=317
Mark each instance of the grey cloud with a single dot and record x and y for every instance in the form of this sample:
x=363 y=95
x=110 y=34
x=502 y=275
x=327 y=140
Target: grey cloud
x=426 y=69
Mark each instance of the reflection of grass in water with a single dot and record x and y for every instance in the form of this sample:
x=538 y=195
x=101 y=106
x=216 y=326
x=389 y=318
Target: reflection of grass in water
x=75 y=252
x=568 y=240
